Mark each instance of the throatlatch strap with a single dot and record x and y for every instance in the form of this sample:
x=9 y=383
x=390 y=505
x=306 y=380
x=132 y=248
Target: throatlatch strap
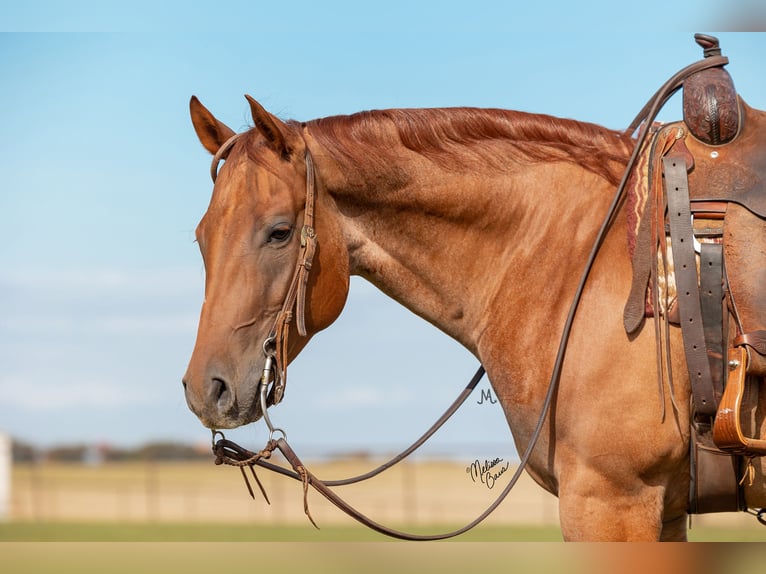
x=682 y=235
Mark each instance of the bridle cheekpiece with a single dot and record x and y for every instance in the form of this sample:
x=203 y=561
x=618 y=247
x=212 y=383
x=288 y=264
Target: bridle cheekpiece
x=294 y=305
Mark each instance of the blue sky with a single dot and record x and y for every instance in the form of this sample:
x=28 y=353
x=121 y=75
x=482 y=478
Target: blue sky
x=103 y=182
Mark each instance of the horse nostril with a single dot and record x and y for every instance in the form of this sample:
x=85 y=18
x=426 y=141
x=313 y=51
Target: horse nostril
x=212 y=399
x=220 y=393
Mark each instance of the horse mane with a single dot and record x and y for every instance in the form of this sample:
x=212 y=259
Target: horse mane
x=457 y=136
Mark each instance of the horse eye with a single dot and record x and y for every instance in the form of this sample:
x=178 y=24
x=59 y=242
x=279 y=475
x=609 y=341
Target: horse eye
x=280 y=234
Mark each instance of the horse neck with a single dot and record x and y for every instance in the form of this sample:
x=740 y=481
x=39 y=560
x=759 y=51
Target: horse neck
x=455 y=245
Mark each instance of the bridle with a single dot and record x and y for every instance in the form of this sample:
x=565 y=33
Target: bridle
x=294 y=305
x=275 y=346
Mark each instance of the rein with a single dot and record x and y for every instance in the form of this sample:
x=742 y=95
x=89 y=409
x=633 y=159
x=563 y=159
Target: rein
x=275 y=347
x=228 y=452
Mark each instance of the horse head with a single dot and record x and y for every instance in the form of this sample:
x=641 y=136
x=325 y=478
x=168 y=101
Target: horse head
x=265 y=297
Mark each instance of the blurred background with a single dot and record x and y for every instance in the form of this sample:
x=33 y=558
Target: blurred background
x=104 y=181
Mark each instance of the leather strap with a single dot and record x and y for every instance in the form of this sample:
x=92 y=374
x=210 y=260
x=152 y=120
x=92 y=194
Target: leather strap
x=673 y=84
x=222 y=154
x=644 y=254
x=711 y=304
x=713 y=485
x=228 y=452
x=310 y=480
x=754 y=339
x=294 y=305
x=295 y=299
x=682 y=236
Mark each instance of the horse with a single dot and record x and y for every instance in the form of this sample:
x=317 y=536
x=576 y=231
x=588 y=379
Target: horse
x=479 y=221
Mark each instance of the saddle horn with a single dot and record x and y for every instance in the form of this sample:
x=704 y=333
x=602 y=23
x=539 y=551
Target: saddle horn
x=710 y=103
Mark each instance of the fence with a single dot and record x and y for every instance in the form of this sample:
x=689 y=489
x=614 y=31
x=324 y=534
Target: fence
x=5 y=475
x=421 y=492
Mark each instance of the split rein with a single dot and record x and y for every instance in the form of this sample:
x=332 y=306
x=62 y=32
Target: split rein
x=229 y=453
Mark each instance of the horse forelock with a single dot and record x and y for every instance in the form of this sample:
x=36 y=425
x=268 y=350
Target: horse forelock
x=457 y=136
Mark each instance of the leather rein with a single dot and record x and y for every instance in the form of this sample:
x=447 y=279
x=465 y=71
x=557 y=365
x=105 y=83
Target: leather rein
x=275 y=348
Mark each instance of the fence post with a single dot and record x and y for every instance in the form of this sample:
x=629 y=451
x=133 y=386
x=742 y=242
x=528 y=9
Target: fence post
x=5 y=476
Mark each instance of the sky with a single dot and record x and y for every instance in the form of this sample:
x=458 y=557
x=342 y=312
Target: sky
x=104 y=181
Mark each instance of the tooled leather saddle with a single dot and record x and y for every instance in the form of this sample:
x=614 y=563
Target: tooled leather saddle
x=699 y=262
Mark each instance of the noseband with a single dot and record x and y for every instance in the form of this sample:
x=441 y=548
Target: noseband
x=294 y=305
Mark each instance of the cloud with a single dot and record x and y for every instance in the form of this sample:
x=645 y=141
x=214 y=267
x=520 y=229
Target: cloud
x=108 y=301
x=103 y=325
x=104 y=280
x=15 y=392
x=79 y=340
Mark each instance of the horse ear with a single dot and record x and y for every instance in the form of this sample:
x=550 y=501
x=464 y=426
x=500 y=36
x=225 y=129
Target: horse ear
x=212 y=133
x=271 y=127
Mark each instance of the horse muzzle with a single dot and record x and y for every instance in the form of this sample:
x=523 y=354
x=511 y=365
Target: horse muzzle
x=220 y=404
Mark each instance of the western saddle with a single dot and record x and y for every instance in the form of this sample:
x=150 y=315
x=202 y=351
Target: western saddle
x=699 y=261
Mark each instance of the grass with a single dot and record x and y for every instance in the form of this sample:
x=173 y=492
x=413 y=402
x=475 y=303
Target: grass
x=95 y=548
x=223 y=532
x=194 y=502
x=111 y=532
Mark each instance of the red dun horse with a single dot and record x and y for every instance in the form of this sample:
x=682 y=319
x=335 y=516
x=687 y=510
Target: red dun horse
x=480 y=221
